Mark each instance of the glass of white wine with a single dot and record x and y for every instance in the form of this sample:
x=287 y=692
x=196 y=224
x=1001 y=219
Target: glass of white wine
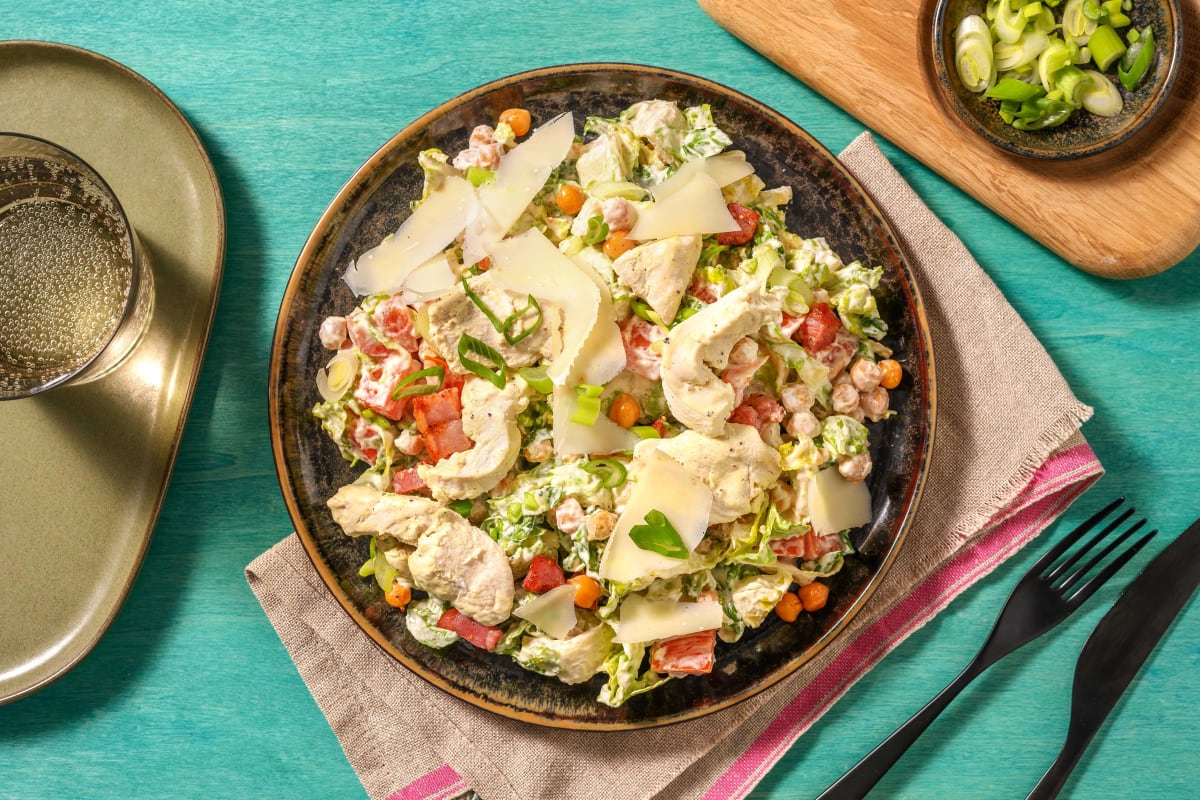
x=76 y=290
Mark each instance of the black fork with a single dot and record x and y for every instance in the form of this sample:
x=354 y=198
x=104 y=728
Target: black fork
x=1047 y=594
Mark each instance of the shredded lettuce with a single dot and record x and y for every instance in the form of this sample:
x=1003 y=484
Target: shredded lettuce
x=422 y=617
x=843 y=436
x=625 y=675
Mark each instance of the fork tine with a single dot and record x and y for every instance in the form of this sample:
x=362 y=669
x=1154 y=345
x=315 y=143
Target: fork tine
x=1071 y=538
x=1078 y=574
x=1086 y=590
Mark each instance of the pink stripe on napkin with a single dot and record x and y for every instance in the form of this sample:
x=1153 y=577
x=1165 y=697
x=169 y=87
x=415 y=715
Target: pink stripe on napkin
x=441 y=784
x=1054 y=486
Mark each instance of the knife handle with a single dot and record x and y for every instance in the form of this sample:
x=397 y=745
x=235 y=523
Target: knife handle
x=1056 y=776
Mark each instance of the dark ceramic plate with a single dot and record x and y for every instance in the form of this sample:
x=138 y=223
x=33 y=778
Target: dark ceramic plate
x=828 y=202
x=1083 y=134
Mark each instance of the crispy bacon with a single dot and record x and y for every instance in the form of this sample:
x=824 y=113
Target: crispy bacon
x=485 y=636
x=684 y=655
x=544 y=574
x=747 y=220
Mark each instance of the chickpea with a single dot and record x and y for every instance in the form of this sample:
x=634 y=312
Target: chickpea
x=568 y=515
x=803 y=425
x=796 y=397
x=844 y=398
x=855 y=468
x=874 y=403
x=540 y=450
x=865 y=375
x=600 y=524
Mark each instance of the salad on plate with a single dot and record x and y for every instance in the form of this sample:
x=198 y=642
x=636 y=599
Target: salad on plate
x=610 y=409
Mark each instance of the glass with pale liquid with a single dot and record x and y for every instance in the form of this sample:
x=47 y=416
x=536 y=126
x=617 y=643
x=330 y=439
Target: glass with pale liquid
x=76 y=291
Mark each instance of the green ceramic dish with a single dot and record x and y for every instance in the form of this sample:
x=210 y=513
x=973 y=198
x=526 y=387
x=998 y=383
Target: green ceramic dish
x=376 y=199
x=1083 y=134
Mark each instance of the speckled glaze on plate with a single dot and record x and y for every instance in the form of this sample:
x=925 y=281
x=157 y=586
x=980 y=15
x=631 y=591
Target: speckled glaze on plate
x=373 y=203
x=1083 y=134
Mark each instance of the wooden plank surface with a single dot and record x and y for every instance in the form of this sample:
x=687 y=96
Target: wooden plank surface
x=874 y=60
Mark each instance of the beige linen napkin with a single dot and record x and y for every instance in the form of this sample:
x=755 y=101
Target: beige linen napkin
x=1007 y=460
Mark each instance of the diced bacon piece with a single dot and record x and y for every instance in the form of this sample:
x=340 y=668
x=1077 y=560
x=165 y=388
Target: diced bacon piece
x=544 y=574
x=407 y=481
x=817 y=328
x=838 y=354
x=394 y=320
x=485 y=636
x=637 y=335
x=807 y=546
x=745 y=415
x=365 y=438
x=377 y=383
x=768 y=408
x=359 y=330
x=432 y=410
x=445 y=440
x=789 y=325
x=703 y=290
x=747 y=220
x=742 y=368
x=659 y=425
x=684 y=655
x=450 y=379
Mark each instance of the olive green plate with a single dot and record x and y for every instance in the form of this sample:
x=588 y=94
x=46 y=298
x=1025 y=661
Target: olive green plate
x=83 y=469
x=828 y=202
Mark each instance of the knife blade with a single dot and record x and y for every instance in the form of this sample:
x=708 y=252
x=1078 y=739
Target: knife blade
x=1120 y=644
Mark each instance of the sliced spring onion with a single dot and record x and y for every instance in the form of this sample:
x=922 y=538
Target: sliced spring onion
x=602 y=190
x=587 y=404
x=641 y=309
x=537 y=378
x=1025 y=51
x=973 y=53
x=338 y=376
x=482 y=306
x=494 y=374
x=517 y=316
x=1100 y=95
x=1139 y=56
x=478 y=176
x=1106 y=46
x=658 y=536
x=461 y=507
x=610 y=472
x=645 y=432
x=1111 y=10
x=1042 y=112
x=1014 y=90
x=408 y=386
x=1010 y=23
x=1072 y=81
x=505 y=326
x=597 y=231
x=799 y=293
x=1075 y=23
x=1056 y=56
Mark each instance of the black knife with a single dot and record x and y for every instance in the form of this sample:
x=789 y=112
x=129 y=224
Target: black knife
x=1121 y=643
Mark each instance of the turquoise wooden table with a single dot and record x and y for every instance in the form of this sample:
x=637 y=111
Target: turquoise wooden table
x=191 y=694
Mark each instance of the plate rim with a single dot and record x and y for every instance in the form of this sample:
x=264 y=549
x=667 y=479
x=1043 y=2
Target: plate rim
x=340 y=202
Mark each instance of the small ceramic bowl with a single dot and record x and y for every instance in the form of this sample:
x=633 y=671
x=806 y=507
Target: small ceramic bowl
x=1083 y=134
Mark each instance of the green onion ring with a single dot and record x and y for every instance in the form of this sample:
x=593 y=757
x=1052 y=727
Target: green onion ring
x=611 y=473
x=407 y=386
x=494 y=374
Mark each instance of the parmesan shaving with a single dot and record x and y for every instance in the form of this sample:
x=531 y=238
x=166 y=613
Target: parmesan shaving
x=530 y=264
x=696 y=207
x=553 y=612
x=524 y=170
x=645 y=620
x=428 y=231
x=724 y=169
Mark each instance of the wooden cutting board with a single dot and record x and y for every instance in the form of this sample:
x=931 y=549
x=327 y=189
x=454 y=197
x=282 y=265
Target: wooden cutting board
x=1128 y=213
